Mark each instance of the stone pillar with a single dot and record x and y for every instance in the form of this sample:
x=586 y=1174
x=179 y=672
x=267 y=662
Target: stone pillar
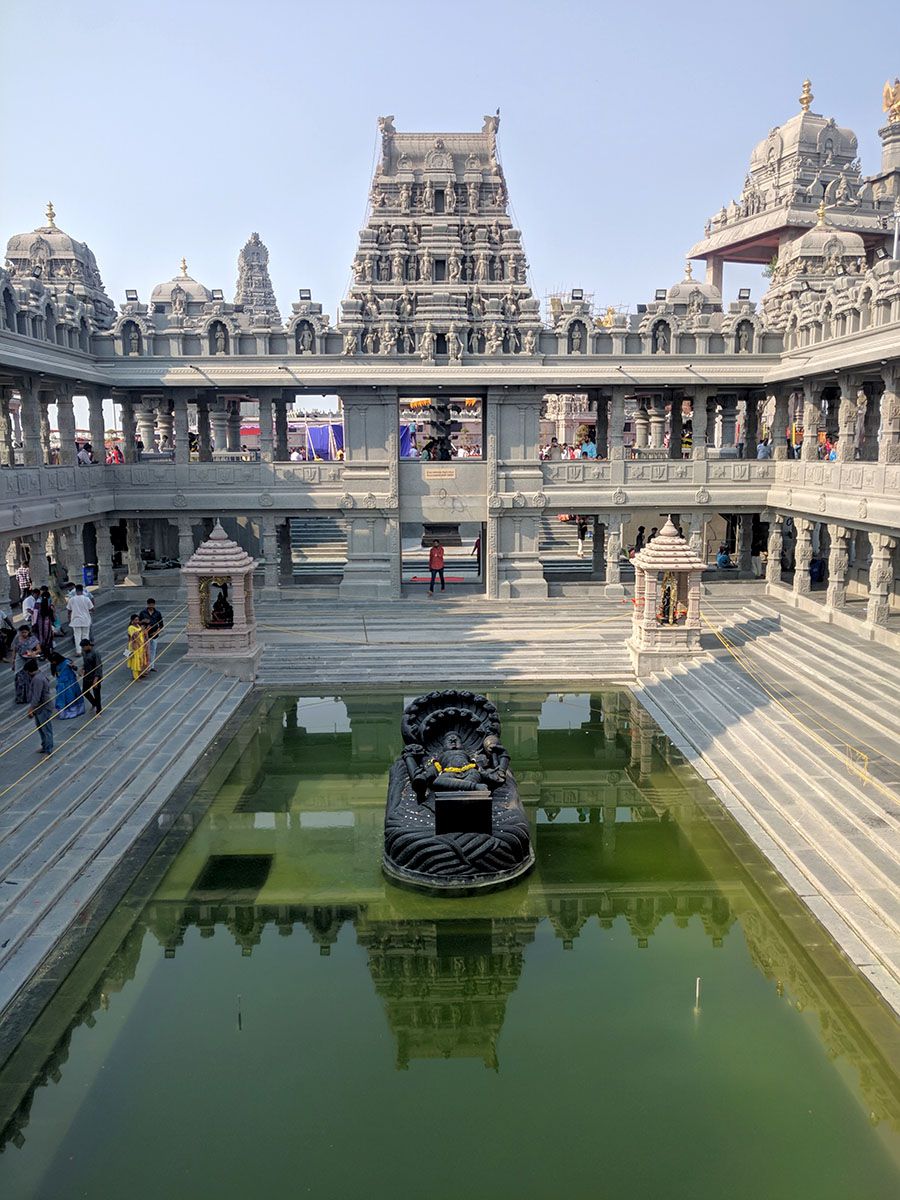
x=847 y=408
x=180 y=428
x=700 y=423
x=614 y=588
x=204 y=453
x=97 y=425
x=641 y=427
x=774 y=549
x=146 y=424
x=657 y=422
x=779 y=424
x=881 y=579
x=65 y=414
x=7 y=450
x=218 y=419
x=695 y=536
x=37 y=557
x=598 y=558
x=809 y=450
x=617 y=424
x=803 y=553
x=751 y=424
x=889 y=433
x=675 y=425
x=75 y=553
x=729 y=422
x=233 y=426
x=185 y=539
x=266 y=438
x=135 y=562
x=602 y=438
x=105 y=572
x=838 y=564
x=128 y=427
x=281 y=429
x=868 y=450
x=285 y=552
x=269 y=540
x=745 y=542
x=32 y=453
x=165 y=423
x=44 y=401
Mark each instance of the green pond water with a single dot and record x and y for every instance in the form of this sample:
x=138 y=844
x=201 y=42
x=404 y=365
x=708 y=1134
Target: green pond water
x=265 y=1016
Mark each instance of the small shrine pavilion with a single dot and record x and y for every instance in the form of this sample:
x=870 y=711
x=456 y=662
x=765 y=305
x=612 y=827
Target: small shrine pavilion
x=221 y=629
x=666 y=622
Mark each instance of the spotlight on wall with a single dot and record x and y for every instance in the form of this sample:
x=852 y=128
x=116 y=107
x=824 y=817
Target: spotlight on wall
x=218 y=294
x=660 y=294
x=131 y=294
x=577 y=293
x=743 y=294
x=642 y=308
x=305 y=294
x=881 y=253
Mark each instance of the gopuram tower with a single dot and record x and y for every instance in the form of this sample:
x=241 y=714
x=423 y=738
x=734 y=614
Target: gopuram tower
x=440 y=270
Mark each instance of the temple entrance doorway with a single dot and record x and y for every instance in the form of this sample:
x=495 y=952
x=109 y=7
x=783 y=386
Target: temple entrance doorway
x=463 y=546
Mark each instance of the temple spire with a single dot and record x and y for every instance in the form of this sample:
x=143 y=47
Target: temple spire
x=806 y=95
x=184 y=268
x=254 y=286
x=51 y=215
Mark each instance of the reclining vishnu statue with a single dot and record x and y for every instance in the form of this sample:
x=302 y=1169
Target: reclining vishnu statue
x=454 y=822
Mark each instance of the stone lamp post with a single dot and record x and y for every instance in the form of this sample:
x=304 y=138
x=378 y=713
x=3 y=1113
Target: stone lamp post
x=221 y=629
x=666 y=623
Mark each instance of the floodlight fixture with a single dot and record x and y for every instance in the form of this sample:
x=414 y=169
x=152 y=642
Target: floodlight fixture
x=131 y=294
x=305 y=294
x=660 y=294
x=218 y=294
x=743 y=294
x=577 y=293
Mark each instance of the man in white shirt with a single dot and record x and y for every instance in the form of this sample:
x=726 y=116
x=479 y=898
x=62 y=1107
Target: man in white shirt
x=30 y=603
x=85 y=455
x=296 y=456
x=80 y=608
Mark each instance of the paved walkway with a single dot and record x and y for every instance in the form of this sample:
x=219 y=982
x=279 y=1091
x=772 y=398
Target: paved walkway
x=796 y=726
x=67 y=822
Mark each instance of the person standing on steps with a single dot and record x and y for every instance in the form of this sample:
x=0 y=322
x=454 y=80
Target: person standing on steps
x=436 y=565
x=154 y=622
x=92 y=675
x=40 y=706
x=476 y=551
x=80 y=608
x=582 y=529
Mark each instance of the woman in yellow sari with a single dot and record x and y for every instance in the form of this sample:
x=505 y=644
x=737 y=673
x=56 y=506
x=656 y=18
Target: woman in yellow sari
x=138 y=654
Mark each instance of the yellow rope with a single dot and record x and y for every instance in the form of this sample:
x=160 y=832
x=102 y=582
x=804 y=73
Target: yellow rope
x=81 y=728
x=844 y=758
x=829 y=722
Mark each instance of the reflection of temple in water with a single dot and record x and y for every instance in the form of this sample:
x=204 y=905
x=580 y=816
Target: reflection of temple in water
x=445 y=984
x=624 y=832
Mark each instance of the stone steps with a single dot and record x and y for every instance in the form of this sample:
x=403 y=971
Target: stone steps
x=767 y=645
x=841 y=839
x=66 y=828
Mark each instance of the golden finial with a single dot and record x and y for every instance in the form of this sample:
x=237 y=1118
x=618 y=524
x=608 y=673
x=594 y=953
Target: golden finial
x=806 y=96
x=891 y=101
x=184 y=267
x=688 y=269
x=51 y=215
x=820 y=215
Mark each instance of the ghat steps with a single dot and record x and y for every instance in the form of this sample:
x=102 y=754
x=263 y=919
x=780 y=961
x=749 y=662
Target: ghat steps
x=808 y=763
x=67 y=822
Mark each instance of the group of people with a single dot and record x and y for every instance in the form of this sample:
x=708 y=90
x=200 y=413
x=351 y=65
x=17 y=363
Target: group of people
x=32 y=643
x=554 y=452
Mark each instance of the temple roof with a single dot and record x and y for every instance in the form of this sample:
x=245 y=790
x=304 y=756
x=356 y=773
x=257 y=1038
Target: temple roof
x=190 y=286
x=219 y=555
x=668 y=552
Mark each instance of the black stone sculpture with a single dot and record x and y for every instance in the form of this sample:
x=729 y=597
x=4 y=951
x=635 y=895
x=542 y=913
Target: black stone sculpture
x=454 y=822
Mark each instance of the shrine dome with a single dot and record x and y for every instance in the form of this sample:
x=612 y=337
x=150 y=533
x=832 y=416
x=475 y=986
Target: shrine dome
x=194 y=291
x=687 y=290
x=62 y=262
x=824 y=241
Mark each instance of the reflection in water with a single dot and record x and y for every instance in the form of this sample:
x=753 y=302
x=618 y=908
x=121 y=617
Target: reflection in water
x=629 y=843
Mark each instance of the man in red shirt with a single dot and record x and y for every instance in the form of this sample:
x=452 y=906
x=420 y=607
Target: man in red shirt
x=436 y=564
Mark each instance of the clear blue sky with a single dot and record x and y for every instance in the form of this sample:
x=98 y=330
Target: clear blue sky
x=175 y=129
